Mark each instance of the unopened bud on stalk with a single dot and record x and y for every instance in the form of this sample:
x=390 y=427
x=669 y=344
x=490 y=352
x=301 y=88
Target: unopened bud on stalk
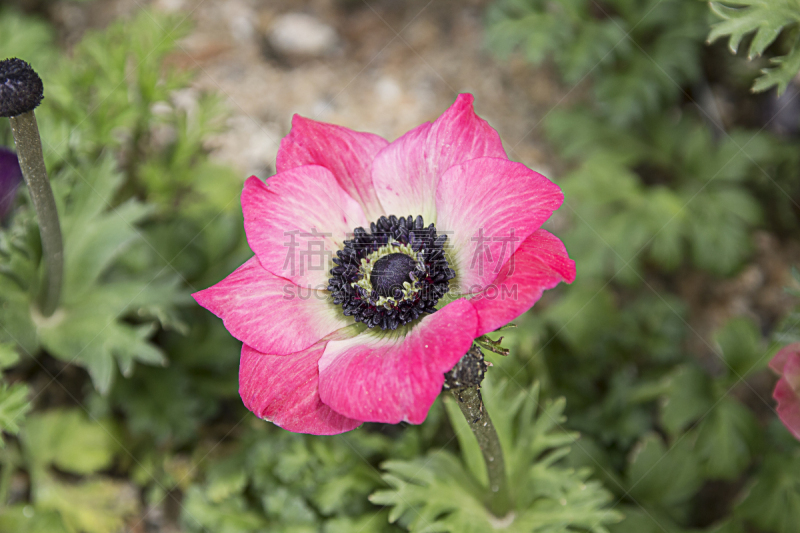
x=21 y=91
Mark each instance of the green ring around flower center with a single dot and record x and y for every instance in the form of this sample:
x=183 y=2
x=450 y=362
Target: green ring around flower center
x=368 y=264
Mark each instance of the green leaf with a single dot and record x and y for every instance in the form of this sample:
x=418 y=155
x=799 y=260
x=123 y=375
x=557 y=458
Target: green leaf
x=25 y=518
x=437 y=492
x=643 y=520
x=767 y=18
x=741 y=347
x=16 y=324
x=726 y=440
x=95 y=231
x=226 y=478
x=661 y=476
x=689 y=397
x=90 y=326
x=92 y=334
x=782 y=72
x=14 y=405
x=29 y=38
x=773 y=501
x=68 y=440
x=97 y=505
x=230 y=516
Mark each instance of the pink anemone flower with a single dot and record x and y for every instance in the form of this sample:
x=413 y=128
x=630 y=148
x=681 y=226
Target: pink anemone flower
x=376 y=266
x=786 y=364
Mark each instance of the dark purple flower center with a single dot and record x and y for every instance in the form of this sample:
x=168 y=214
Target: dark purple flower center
x=390 y=272
x=391 y=275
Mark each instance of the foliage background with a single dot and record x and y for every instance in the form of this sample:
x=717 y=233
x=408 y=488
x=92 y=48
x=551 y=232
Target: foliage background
x=635 y=400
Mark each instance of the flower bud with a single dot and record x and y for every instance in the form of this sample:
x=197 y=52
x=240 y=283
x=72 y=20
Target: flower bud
x=21 y=89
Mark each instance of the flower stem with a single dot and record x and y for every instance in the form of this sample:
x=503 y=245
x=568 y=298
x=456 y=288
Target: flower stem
x=471 y=404
x=29 y=153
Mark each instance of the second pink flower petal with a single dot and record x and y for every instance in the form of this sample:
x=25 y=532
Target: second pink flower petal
x=284 y=390
x=297 y=221
x=786 y=363
x=488 y=207
x=348 y=154
x=270 y=313
x=391 y=378
x=406 y=173
x=539 y=264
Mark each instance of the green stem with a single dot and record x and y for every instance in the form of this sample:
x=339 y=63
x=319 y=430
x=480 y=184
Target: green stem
x=471 y=404
x=29 y=153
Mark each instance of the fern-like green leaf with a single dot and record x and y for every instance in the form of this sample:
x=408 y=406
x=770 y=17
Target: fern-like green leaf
x=438 y=493
x=766 y=19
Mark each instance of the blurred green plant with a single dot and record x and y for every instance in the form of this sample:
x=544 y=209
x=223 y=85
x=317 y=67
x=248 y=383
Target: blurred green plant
x=13 y=397
x=767 y=20
x=660 y=186
x=439 y=492
x=659 y=189
x=145 y=214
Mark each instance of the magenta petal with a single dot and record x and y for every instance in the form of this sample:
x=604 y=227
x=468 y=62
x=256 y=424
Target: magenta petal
x=285 y=391
x=779 y=361
x=346 y=153
x=788 y=406
x=489 y=207
x=539 y=264
x=787 y=391
x=389 y=379
x=297 y=221
x=271 y=314
x=406 y=172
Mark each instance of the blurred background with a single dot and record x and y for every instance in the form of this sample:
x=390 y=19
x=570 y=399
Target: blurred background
x=680 y=161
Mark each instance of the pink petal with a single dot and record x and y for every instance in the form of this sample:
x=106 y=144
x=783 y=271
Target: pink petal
x=386 y=378
x=297 y=221
x=791 y=372
x=779 y=361
x=489 y=207
x=285 y=391
x=540 y=263
x=407 y=171
x=788 y=406
x=271 y=314
x=346 y=153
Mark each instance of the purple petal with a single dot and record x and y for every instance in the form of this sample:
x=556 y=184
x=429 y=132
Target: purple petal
x=10 y=176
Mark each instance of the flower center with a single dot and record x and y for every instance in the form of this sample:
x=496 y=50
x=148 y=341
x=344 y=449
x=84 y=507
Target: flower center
x=392 y=275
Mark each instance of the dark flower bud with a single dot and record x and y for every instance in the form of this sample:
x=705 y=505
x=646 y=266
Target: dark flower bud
x=468 y=372
x=21 y=89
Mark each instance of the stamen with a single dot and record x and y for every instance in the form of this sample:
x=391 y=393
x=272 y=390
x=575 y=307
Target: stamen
x=392 y=275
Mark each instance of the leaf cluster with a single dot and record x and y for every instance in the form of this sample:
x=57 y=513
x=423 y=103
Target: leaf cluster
x=441 y=492
x=767 y=21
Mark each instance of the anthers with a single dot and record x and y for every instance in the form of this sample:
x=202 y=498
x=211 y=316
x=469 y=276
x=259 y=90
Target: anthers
x=393 y=274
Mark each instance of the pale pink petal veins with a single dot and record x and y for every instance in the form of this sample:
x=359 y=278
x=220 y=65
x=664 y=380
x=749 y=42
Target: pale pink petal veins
x=271 y=314
x=284 y=390
x=297 y=221
x=346 y=153
x=539 y=264
x=406 y=172
x=386 y=378
x=488 y=207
